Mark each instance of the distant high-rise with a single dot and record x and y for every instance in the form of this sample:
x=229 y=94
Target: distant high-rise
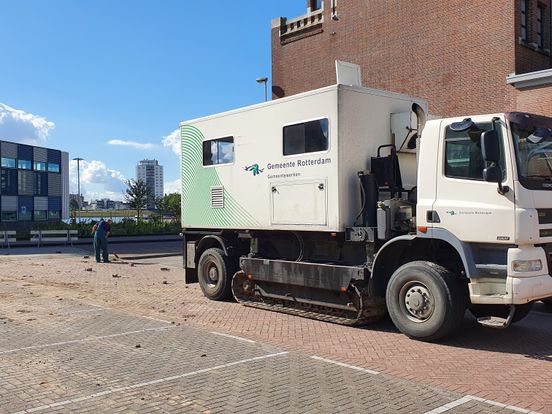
x=151 y=173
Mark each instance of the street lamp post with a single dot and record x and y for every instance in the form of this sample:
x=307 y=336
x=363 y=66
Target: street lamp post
x=78 y=160
x=264 y=80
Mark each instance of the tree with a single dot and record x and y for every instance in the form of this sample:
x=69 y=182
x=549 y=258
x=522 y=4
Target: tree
x=169 y=203
x=73 y=207
x=137 y=195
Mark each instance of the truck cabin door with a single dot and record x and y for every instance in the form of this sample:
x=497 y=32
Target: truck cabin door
x=469 y=207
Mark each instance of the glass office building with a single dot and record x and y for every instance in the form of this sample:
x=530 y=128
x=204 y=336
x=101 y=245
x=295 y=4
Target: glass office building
x=34 y=183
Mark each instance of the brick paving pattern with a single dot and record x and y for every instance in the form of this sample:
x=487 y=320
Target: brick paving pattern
x=118 y=327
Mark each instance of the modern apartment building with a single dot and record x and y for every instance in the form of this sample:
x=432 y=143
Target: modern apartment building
x=151 y=173
x=464 y=57
x=34 y=184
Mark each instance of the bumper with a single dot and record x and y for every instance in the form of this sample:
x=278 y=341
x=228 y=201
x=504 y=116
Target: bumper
x=510 y=291
x=528 y=289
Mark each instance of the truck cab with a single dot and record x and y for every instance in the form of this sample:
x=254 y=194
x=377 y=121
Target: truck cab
x=501 y=224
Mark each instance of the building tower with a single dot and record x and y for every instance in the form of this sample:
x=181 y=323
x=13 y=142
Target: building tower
x=151 y=173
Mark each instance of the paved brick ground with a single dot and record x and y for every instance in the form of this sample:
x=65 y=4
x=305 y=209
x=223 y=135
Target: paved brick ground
x=61 y=298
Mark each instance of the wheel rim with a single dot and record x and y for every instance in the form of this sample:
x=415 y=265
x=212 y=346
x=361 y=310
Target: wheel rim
x=211 y=274
x=416 y=301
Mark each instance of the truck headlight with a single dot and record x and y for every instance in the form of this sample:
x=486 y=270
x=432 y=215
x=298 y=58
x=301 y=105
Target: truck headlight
x=527 y=265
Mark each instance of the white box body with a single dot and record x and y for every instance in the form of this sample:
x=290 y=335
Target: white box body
x=316 y=191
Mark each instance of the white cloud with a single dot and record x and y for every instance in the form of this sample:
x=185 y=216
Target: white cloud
x=20 y=126
x=133 y=144
x=97 y=180
x=173 y=187
x=173 y=141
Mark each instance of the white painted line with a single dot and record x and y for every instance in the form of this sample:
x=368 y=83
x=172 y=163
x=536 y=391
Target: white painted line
x=467 y=398
x=82 y=311
x=341 y=364
x=150 y=317
x=145 y=384
x=239 y=338
x=133 y=314
x=449 y=406
x=88 y=339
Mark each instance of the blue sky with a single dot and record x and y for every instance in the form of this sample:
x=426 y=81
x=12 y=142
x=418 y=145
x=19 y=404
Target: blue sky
x=76 y=75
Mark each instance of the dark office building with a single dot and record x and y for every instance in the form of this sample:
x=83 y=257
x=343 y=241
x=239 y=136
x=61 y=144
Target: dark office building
x=34 y=183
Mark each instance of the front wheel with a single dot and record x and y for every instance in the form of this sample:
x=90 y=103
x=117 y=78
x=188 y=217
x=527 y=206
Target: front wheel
x=425 y=301
x=215 y=271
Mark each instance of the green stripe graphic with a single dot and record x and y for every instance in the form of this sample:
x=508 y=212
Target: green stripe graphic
x=196 y=189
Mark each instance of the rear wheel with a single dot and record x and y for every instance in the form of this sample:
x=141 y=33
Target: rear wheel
x=548 y=302
x=215 y=271
x=425 y=301
x=502 y=311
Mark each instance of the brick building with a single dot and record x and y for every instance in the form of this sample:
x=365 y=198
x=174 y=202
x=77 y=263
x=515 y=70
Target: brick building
x=464 y=57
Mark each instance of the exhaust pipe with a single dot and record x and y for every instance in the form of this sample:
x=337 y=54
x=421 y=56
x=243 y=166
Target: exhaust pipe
x=421 y=116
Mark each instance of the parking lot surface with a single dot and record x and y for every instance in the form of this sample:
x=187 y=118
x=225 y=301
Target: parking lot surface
x=76 y=336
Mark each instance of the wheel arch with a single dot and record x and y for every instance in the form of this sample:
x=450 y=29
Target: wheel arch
x=448 y=251
x=208 y=242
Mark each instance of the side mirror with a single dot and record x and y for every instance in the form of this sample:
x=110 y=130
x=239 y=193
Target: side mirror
x=490 y=148
x=492 y=174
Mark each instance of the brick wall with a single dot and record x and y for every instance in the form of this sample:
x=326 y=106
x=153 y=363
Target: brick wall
x=454 y=53
x=537 y=100
x=528 y=57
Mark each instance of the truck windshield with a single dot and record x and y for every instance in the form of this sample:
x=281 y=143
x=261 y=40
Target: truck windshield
x=532 y=136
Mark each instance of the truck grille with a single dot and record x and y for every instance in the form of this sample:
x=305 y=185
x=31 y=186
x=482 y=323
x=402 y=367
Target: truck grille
x=548 y=250
x=545 y=215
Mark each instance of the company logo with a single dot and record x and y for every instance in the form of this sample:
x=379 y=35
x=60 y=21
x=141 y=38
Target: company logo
x=254 y=168
x=452 y=212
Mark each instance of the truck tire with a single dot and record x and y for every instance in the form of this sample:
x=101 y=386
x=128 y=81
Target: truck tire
x=215 y=271
x=425 y=301
x=502 y=311
x=548 y=302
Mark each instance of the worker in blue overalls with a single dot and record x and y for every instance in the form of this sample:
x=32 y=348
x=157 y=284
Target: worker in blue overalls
x=101 y=231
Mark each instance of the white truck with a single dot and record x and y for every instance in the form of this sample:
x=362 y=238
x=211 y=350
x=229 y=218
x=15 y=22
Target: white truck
x=343 y=204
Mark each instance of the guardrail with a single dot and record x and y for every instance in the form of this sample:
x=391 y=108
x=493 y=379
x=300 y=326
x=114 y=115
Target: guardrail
x=7 y=237
x=54 y=236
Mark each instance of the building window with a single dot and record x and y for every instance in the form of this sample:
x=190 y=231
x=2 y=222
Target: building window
x=24 y=214
x=39 y=166
x=463 y=158
x=40 y=215
x=8 y=162
x=315 y=5
x=8 y=182
x=218 y=151
x=53 y=167
x=540 y=17
x=523 y=34
x=306 y=137
x=24 y=164
x=9 y=216
x=54 y=215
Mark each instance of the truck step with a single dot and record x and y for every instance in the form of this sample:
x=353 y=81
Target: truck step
x=493 y=322
x=247 y=294
x=497 y=322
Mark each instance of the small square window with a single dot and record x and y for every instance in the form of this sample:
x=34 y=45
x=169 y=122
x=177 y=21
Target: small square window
x=24 y=164
x=311 y=136
x=39 y=166
x=53 y=167
x=8 y=162
x=40 y=215
x=218 y=151
x=9 y=216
